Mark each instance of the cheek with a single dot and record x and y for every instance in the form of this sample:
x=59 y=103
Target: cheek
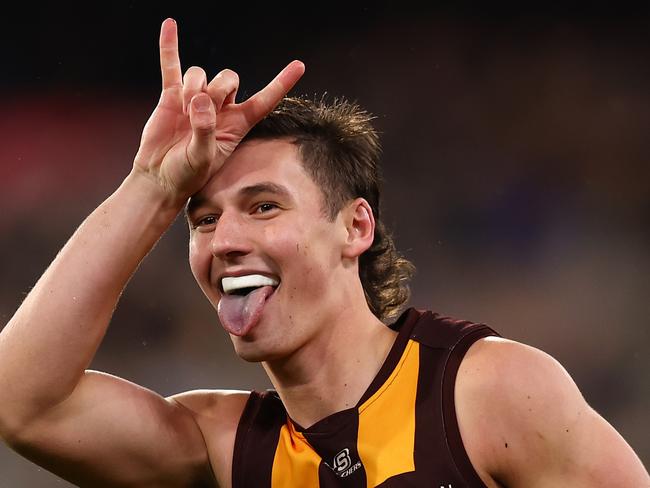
x=310 y=262
x=285 y=246
x=281 y=242
x=199 y=259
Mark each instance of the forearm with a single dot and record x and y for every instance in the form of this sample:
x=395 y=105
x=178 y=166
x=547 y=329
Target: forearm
x=54 y=334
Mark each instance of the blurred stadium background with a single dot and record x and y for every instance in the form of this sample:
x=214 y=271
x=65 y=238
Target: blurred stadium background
x=516 y=155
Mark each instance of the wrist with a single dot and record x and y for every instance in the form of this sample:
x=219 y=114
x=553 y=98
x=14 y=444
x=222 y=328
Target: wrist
x=149 y=196
x=153 y=192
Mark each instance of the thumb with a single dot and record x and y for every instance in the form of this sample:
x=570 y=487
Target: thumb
x=203 y=120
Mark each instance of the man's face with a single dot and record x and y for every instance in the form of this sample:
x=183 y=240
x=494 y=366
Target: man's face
x=261 y=216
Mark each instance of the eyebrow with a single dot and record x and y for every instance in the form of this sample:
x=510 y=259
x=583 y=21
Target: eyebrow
x=197 y=201
x=264 y=187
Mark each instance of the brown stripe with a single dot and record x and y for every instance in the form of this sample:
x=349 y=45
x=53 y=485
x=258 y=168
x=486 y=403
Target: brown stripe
x=440 y=457
x=341 y=465
x=454 y=439
x=430 y=448
x=256 y=441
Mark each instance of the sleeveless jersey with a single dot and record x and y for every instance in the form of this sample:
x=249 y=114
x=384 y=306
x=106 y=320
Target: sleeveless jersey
x=402 y=433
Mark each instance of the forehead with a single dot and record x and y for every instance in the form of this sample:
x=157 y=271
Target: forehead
x=274 y=161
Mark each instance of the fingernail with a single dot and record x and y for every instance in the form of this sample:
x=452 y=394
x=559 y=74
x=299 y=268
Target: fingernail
x=202 y=103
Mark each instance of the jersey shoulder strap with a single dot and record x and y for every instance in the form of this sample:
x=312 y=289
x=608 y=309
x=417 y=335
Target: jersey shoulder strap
x=441 y=332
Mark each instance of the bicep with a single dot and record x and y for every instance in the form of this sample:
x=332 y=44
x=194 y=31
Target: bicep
x=595 y=455
x=568 y=443
x=113 y=432
x=525 y=422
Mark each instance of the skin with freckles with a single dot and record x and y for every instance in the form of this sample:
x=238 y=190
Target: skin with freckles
x=280 y=231
x=279 y=228
x=234 y=231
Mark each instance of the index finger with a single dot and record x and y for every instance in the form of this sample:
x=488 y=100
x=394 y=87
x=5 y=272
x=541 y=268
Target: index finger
x=265 y=100
x=170 y=63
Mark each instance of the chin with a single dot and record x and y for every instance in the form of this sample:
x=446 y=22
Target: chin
x=253 y=351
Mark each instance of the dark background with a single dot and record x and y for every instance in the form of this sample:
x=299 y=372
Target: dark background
x=516 y=157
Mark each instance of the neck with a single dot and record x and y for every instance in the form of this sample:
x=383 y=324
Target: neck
x=333 y=370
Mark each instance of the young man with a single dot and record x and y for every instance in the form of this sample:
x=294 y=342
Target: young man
x=292 y=255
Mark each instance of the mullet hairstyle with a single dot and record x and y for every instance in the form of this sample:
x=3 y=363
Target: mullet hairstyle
x=340 y=151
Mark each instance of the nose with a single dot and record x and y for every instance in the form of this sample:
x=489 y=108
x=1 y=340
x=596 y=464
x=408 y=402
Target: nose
x=230 y=239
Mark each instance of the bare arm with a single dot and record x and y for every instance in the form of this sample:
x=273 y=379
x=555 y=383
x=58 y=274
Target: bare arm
x=525 y=423
x=95 y=428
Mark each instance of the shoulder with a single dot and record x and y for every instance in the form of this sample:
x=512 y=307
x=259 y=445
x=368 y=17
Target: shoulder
x=514 y=373
x=217 y=414
x=523 y=419
x=504 y=394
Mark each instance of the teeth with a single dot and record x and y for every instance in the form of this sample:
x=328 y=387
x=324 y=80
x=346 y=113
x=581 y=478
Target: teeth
x=233 y=283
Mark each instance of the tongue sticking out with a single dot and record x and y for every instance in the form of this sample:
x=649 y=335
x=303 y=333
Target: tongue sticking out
x=238 y=314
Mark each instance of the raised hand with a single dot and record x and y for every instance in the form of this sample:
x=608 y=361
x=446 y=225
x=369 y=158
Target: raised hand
x=197 y=125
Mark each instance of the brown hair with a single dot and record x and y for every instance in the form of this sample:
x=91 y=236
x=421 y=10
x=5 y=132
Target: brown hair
x=340 y=151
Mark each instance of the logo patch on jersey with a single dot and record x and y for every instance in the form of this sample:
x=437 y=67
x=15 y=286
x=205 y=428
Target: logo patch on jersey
x=342 y=464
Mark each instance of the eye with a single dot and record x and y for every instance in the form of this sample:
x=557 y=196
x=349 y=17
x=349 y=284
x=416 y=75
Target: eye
x=205 y=221
x=265 y=207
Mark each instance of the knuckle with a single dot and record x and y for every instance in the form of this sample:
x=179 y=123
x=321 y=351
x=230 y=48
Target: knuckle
x=205 y=128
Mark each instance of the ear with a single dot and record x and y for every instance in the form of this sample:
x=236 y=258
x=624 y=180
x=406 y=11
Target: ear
x=360 y=227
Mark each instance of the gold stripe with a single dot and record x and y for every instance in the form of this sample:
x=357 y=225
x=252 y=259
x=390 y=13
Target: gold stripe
x=295 y=462
x=386 y=438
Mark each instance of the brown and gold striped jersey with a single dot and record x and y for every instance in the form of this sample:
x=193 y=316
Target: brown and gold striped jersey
x=402 y=433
